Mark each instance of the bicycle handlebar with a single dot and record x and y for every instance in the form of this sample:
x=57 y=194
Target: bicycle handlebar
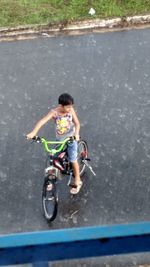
x=46 y=143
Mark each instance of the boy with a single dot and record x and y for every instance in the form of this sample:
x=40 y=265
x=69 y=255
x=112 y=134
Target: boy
x=66 y=124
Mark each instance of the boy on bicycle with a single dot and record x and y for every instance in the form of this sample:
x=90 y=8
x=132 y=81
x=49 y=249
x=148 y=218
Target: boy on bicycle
x=66 y=125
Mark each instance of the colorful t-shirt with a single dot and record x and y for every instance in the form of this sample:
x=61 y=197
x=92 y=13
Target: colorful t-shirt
x=64 y=126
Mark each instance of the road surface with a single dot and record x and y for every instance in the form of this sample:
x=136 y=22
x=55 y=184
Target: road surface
x=108 y=76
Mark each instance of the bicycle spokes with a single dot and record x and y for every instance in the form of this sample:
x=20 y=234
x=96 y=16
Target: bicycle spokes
x=89 y=166
x=70 y=178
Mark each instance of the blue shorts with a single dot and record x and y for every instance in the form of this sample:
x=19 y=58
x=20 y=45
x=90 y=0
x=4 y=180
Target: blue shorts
x=72 y=149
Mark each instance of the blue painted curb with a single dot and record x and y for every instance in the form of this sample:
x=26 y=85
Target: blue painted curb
x=73 y=234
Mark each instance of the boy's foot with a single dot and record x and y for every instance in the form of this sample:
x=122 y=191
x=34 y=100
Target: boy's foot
x=76 y=188
x=49 y=187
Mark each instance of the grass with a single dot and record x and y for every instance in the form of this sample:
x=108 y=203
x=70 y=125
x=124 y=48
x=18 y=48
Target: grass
x=24 y=12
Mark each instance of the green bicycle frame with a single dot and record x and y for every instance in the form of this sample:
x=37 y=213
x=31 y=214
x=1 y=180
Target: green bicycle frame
x=53 y=151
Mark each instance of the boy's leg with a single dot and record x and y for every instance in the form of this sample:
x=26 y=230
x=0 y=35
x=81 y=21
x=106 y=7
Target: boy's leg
x=77 y=180
x=72 y=157
x=76 y=171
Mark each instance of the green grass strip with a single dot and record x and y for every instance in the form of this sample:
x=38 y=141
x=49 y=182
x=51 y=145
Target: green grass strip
x=25 y=12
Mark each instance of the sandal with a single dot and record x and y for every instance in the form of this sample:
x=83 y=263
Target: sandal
x=49 y=187
x=76 y=188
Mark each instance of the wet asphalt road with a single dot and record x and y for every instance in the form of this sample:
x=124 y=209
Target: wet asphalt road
x=108 y=76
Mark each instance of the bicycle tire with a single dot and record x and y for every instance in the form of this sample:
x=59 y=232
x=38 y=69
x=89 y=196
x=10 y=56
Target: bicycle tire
x=82 y=153
x=49 y=200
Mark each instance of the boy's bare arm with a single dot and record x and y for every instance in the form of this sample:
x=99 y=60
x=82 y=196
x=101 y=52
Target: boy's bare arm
x=77 y=124
x=39 y=125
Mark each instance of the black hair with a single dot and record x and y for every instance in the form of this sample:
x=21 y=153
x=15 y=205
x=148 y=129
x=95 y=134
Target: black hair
x=65 y=100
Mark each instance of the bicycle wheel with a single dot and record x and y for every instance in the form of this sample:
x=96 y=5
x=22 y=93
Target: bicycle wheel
x=49 y=199
x=82 y=154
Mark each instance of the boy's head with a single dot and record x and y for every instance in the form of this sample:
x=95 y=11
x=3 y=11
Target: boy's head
x=66 y=101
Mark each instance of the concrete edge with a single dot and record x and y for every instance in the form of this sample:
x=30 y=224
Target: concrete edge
x=79 y=27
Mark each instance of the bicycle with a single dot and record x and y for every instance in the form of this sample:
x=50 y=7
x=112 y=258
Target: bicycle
x=56 y=164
